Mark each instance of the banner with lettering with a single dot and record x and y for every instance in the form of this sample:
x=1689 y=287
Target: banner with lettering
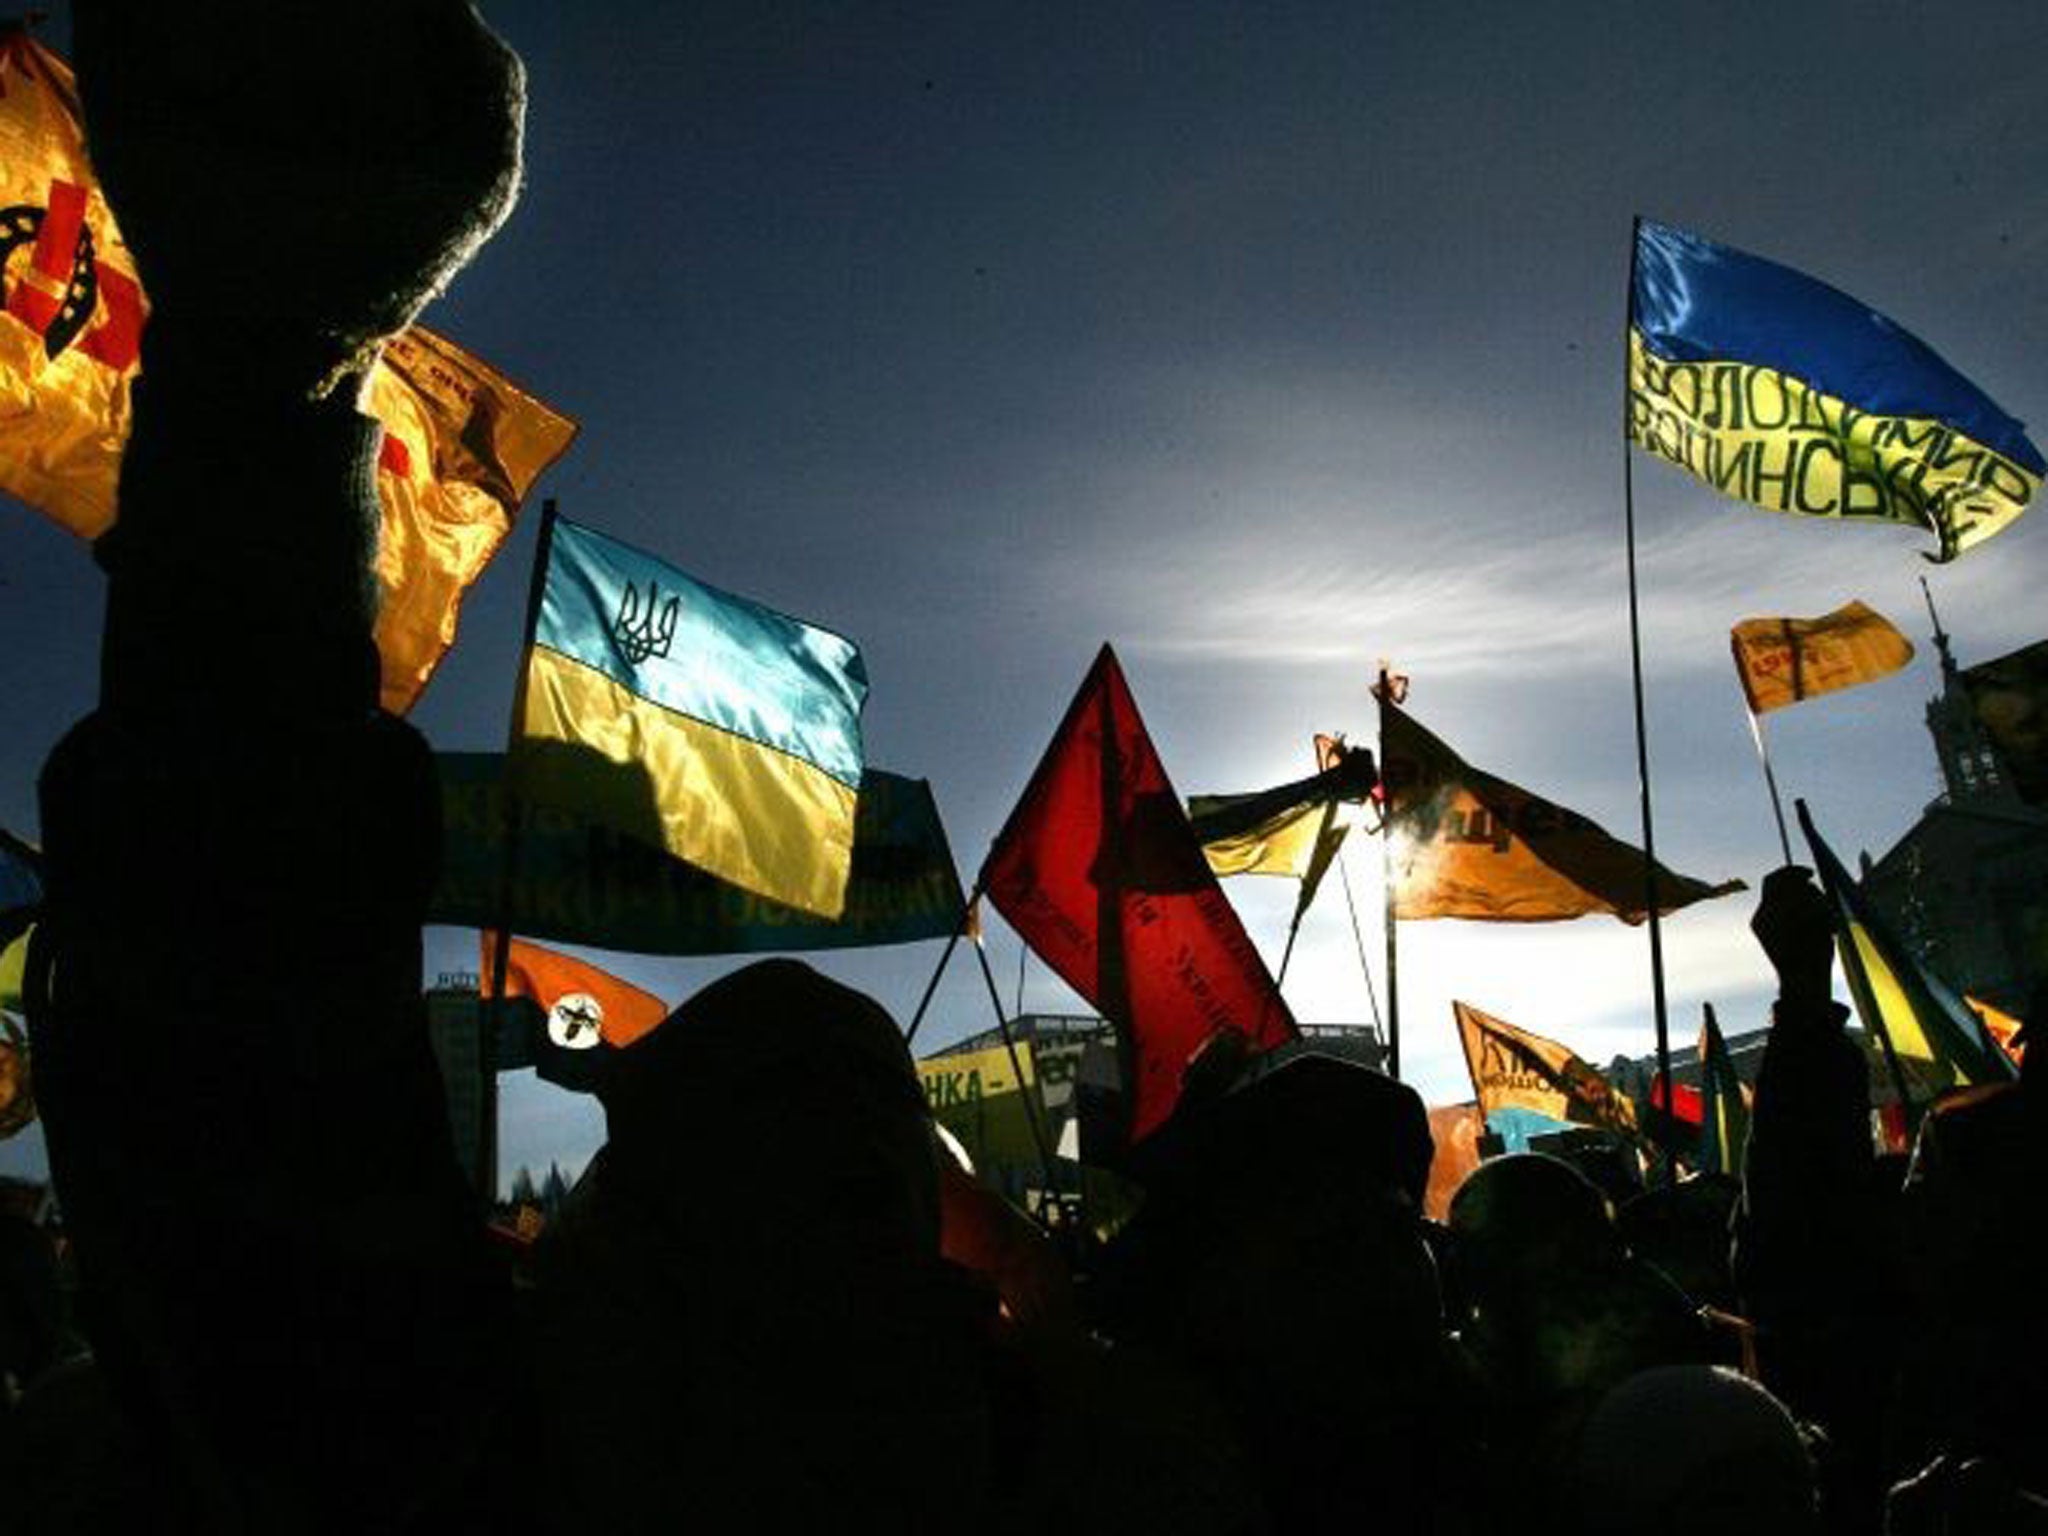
x=1468 y=844
x=580 y=882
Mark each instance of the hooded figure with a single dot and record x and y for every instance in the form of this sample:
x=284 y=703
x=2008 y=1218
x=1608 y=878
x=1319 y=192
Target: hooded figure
x=743 y=1320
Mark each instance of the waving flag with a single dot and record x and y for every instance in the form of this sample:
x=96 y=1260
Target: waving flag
x=1098 y=872
x=700 y=722
x=1930 y=1032
x=585 y=1005
x=462 y=447
x=462 y=444
x=1515 y=1068
x=71 y=323
x=1785 y=661
x=1294 y=829
x=1778 y=390
x=1467 y=844
x=1724 y=1107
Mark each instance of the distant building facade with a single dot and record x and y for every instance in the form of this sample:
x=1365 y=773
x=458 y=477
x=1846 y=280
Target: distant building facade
x=1966 y=888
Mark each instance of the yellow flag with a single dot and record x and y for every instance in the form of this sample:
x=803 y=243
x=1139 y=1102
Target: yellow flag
x=1782 y=661
x=1516 y=1069
x=462 y=445
x=1468 y=844
x=71 y=323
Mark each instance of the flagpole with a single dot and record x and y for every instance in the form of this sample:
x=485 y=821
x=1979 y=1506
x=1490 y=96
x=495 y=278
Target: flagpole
x=1112 y=980
x=959 y=929
x=1358 y=941
x=513 y=809
x=1875 y=1023
x=1301 y=905
x=1387 y=919
x=1038 y=1136
x=1635 y=649
x=1756 y=734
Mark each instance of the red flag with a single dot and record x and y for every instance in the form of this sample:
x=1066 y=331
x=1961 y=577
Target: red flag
x=1097 y=870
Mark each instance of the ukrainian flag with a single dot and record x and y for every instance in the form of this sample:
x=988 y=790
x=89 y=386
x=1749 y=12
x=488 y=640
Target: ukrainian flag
x=1778 y=390
x=698 y=721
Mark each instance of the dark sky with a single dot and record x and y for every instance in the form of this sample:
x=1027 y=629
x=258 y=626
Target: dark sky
x=1263 y=341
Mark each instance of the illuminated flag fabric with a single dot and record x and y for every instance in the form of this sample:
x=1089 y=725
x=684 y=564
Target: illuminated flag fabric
x=1099 y=873
x=1724 y=1110
x=1457 y=1130
x=1785 y=661
x=1294 y=829
x=2002 y=1027
x=71 y=321
x=2010 y=696
x=1516 y=1068
x=1467 y=844
x=585 y=1006
x=700 y=722
x=1937 y=1041
x=1781 y=391
x=462 y=445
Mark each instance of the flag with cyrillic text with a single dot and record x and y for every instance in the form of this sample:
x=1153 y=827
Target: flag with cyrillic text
x=1515 y=1068
x=1774 y=388
x=1782 y=661
x=1467 y=844
x=1098 y=871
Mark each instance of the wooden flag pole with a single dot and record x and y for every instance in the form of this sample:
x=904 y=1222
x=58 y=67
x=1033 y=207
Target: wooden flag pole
x=1384 y=693
x=1635 y=649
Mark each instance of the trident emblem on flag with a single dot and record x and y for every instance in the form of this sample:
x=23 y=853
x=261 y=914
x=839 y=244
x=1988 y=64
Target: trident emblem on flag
x=645 y=629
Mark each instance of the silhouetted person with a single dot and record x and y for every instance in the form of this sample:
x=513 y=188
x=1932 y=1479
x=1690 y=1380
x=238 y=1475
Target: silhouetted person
x=1554 y=1313
x=1279 y=1256
x=743 y=1321
x=1975 y=1238
x=1814 y=1260
x=1691 y=1450
x=280 y=1268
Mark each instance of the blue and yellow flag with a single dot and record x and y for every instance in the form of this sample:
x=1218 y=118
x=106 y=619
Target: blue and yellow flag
x=1724 y=1111
x=1780 y=391
x=1928 y=1033
x=694 y=720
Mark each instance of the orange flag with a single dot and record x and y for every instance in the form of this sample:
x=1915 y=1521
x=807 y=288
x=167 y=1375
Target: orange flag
x=1519 y=1069
x=1467 y=844
x=1784 y=661
x=462 y=444
x=585 y=1006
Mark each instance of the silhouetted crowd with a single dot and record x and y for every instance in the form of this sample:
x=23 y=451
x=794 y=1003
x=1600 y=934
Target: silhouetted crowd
x=771 y=1303
x=776 y=1301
